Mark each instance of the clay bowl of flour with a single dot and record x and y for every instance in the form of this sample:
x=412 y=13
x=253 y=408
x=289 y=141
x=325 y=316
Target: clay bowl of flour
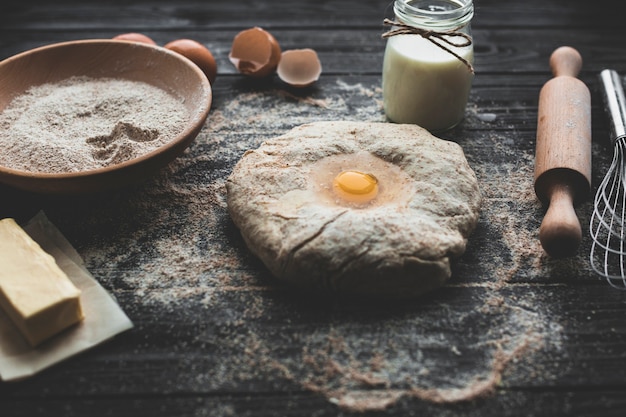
x=92 y=115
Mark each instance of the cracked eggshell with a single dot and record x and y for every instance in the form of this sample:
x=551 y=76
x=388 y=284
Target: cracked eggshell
x=198 y=54
x=255 y=52
x=299 y=67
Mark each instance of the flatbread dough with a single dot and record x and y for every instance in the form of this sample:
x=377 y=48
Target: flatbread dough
x=400 y=245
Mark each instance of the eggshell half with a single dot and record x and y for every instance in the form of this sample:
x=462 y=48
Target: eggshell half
x=299 y=67
x=255 y=52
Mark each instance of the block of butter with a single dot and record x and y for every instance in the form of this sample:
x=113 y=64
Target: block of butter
x=34 y=292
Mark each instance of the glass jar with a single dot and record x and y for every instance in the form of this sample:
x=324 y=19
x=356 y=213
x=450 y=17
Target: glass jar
x=427 y=67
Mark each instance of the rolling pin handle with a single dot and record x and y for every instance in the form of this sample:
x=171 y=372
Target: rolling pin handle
x=560 y=232
x=566 y=61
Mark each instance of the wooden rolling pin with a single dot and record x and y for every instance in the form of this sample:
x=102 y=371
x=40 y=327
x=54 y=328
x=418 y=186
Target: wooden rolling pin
x=563 y=153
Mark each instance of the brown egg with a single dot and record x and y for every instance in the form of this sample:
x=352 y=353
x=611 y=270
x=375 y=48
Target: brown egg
x=198 y=54
x=255 y=52
x=135 y=37
x=299 y=67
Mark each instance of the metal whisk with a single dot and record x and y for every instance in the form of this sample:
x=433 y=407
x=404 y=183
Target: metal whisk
x=608 y=220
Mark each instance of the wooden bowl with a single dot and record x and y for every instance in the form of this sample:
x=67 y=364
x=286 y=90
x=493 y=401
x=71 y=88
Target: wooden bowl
x=155 y=65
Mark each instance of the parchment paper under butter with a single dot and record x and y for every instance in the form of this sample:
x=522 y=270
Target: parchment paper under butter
x=103 y=316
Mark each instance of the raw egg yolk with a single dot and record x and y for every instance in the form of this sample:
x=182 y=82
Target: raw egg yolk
x=355 y=186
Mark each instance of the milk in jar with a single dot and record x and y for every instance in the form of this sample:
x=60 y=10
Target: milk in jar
x=423 y=83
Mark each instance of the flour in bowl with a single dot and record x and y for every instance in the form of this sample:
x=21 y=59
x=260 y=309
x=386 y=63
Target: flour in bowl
x=84 y=123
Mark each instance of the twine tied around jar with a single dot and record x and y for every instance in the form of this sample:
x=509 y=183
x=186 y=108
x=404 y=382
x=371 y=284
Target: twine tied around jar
x=431 y=35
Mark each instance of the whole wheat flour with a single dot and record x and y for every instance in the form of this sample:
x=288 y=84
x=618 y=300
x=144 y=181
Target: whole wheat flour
x=84 y=123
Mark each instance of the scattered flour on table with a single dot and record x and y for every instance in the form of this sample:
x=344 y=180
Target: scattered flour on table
x=84 y=123
x=487 y=339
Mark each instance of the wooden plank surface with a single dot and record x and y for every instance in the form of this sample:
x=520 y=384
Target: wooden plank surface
x=513 y=333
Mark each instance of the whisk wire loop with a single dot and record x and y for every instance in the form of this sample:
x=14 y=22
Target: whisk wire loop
x=608 y=248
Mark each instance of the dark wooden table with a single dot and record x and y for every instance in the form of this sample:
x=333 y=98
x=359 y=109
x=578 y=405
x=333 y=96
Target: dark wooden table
x=514 y=333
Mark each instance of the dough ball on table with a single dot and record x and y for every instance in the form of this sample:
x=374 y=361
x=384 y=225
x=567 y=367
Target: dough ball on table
x=361 y=208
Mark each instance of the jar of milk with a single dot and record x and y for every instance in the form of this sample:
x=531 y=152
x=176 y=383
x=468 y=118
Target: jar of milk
x=428 y=64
